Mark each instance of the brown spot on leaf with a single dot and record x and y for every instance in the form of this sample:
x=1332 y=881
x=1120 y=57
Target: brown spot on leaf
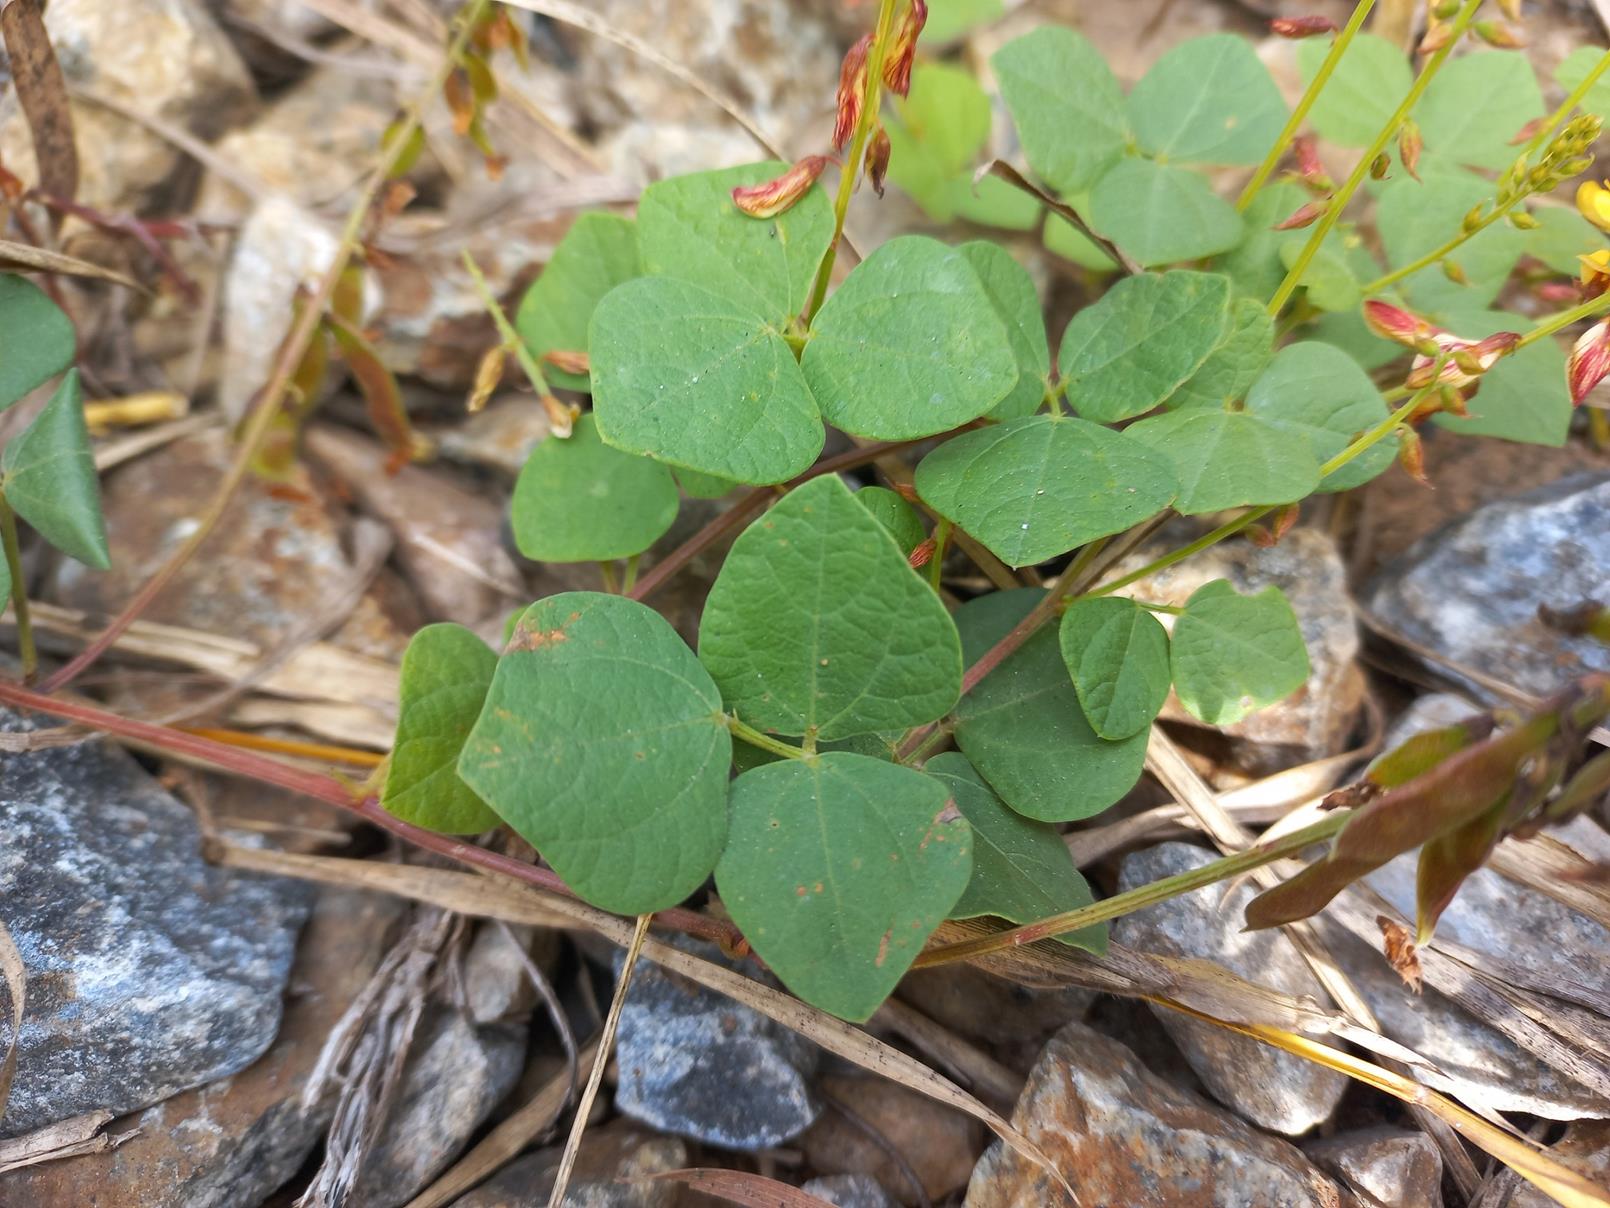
x=883 y=948
x=533 y=639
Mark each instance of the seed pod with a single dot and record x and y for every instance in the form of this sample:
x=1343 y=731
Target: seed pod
x=1522 y=221
x=1380 y=165
x=1409 y=146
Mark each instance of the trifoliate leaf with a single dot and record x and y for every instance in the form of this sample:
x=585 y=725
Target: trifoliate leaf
x=1234 y=365
x=1067 y=105
x=1232 y=654
x=1162 y=213
x=1210 y=101
x=1475 y=104
x=598 y=253
x=1117 y=654
x=47 y=474
x=36 y=338
x=1224 y=459
x=1415 y=217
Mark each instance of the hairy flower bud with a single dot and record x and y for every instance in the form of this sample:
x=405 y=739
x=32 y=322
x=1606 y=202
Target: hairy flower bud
x=922 y=553
x=877 y=158
x=1455 y=272
x=902 y=50
x=772 y=197
x=1309 y=167
x=852 y=92
x=1590 y=361
x=1412 y=456
x=1302 y=27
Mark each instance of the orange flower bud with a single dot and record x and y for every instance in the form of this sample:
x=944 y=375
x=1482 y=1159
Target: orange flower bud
x=1409 y=146
x=1590 y=361
x=1396 y=324
x=1309 y=166
x=568 y=360
x=852 y=92
x=1303 y=215
x=772 y=197
x=922 y=553
x=877 y=158
x=902 y=51
x=1466 y=360
x=1302 y=27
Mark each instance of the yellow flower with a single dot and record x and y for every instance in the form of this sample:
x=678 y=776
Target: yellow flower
x=1593 y=199
x=1596 y=272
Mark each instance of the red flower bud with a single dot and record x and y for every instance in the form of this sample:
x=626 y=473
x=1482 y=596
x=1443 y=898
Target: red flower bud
x=1304 y=215
x=1590 y=361
x=772 y=197
x=1302 y=27
x=1309 y=166
x=852 y=92
x=922 y=553
x=902 y=51
x=1394 y=323
x=877 y=158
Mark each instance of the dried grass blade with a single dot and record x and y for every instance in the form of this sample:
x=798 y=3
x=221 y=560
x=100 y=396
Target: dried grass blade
x=25 y=256
x=741 y=1187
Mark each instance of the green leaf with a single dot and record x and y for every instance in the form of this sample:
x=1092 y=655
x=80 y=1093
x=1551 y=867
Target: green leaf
x=1234 y=365
x=940 y=127
x=1011 y=291
x=683 y=375
x=1334 y=277
x=1254 y=264
x=1067 y=105
x=895 y=515
x=36 y=338
x=1117 y=654
x=1022 y=871
x=446 y=672
x=689 y=228
x=1209 y=101
x=1364 y=91
x=1232 y=654
x=1036 y=487
x=1574 y=68
x=837 y=869
x=1475 y=105
x=950 y=19
x=1562 y=235
x=1067 y=241
x=1162 y=213
x=817 y=625
x=598 y=253
x=703 y=486
x=1317 y=393
x=993 y=202
x=603 y=744
x=1023 y=727
x=578 y=500
x=1225 y=459
x=909 y=345
x=1523 y=397
x=47 y=474
x=1415 y=218
x=1147 y=335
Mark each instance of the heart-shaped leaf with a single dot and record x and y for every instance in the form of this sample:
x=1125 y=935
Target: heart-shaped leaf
x=1415 y=217
x=1011 y=290
x=36 y=338
x=1117 y=654
x=909 y=345
x=1162 y=213
x=1224 y=459
x=1232 y=654
x=603 y=744
x=1208 y=101
x=1067 y=105
x=1147 y=335
x=578 y=500
x=1232 y=367
x=817 y=625
x=446 y=672
x=1363 y=91
x=1023 y=727
x=1475 y=104
x=687 y=377
x=47 y=474
x=1318 y=392
x=837 y=869
x=598 y=252
x=1036 y=487
x=1022 y=871
x=689 y=228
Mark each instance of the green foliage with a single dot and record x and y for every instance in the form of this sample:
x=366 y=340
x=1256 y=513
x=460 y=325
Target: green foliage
x=837 y=869
x=36 y=339
x=47 y=475
x=1224 y=459
x=1318 y=394
x=1574 y=68
x=1207 y=101
x=1415 y=217
x=446 y=672
x=1365 y=88
x=1021 y=868
x=1117 y=654
x=596 y=254
x=895 y=515
x=1523 y=397
x=794 y=630
x=1011 y=292
x=602 y=744
x=1162 y=213
x=1067 y=105
x=1232 y=654
x=1475 y=107
x=1237 y=362
x=578 y=500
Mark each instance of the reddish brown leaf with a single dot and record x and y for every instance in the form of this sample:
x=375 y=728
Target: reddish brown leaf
x=1400 y=951
x=42 y=92
x=380 y=393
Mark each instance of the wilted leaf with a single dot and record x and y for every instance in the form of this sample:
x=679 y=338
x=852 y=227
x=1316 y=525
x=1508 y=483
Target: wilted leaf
x=382 y=397
x=27 y=258
x=42 y=92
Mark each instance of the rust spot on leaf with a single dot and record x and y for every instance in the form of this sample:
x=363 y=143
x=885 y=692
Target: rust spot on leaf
x=534 y=639
x=883 y=948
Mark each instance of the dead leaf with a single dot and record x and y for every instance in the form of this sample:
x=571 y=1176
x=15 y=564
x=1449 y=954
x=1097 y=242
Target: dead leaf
x=1401 y=953
x=63 y=1139
x=27 y=258
x=740 y=1187
x=43 y=94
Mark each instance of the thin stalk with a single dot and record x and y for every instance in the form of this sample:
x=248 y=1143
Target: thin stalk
x=1431 y=257
x=19 y=593
x=852 y=162
x=262 y=418
x=612 y=583
x=1570 y=103
x=630 y=581
x=511 y=337
x=1333 y=212
x=1559 y=322
x=1310 y=95
x=1228 y=529
x=942 y=532
x=1141 y=896
x=758 y=738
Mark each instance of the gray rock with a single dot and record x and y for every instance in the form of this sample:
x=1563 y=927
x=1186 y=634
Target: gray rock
x=1385 y=1167
x=457 y=1073
x=1471 y=590
x=612 y=1169
x=1315 y=720
x=149 y=970
x=696 y=1063
x=1272 y=1089
x=850 y=1191
x=1123 y=1136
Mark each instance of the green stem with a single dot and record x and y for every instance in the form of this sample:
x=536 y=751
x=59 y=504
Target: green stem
x=611 y=582
x=1169 y=609
x=1564 y=319
x=506 y=330
x=1141 y=896
x=1333 y=212
x=1315 y=87
x=936 y=562
x=1431 y=257
x=19 y=593
x=1228 y=529
x=852 y=163
x=1570 y=103
x=631 y=573
x=765 y=742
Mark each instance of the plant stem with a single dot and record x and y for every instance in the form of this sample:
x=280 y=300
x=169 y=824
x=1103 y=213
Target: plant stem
x=1228 y=529
x=612 y=582
x=758 y=738
x=1564 y=319
x=851 y=169
x=1141 y=896
x=262 y=418
x=1431 y=257
x=511 y=337
x=1333 y=212
x=942 y=532
x=1570 y=103
x=630 y=580
x=1316 y=86
x=19 y=593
